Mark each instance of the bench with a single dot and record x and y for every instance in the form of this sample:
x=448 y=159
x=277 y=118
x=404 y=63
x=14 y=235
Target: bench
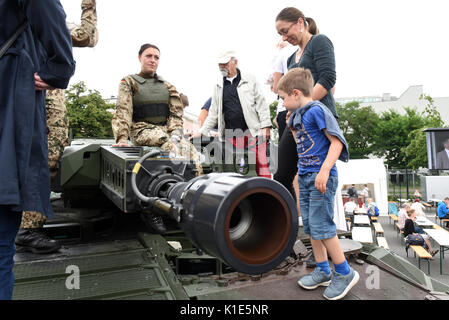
x=393 y=217
x=378 y=228
x=422 y=254
x=382 y=242
x=373 y=218
x=443 y=220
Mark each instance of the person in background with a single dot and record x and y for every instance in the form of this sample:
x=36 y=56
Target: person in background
x=279 y=69
x=38 y=57
x=409 y=229
x=402 y=215
x=240 y=110
x=417 y=194
x=184 y=100
x=442 y=161
x=365 y=195
x=443 y=210
x=203 y=115
x=349 y=208
x=372 y=210
x=352 y=192
x=204 y=112
x=419 y=208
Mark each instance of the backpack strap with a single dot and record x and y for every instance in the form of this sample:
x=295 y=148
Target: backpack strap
x=13 y=38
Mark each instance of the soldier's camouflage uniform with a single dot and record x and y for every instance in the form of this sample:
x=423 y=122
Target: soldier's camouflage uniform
x=147 y=134
x=84 y=35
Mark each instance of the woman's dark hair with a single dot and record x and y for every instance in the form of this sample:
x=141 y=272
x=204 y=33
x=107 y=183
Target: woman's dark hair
x=146 y=46
x=291 y=14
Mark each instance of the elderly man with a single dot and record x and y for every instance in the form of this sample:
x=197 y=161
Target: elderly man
x=238 y=106
x=443 y=157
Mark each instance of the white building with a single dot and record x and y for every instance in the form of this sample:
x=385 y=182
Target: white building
x=410 y=98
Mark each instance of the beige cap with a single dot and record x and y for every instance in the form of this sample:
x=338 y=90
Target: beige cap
x=225 y=56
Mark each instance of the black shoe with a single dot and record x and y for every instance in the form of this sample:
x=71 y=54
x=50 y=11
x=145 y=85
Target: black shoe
x=36 y=241
x=154 y=223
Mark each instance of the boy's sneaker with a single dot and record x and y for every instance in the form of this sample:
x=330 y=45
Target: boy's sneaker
x=340 y=285
x=315 y=279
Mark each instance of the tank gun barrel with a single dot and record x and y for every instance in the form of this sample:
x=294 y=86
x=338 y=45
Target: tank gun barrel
x=249 y=223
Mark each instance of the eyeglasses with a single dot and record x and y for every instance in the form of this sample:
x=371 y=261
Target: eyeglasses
x=285 y=32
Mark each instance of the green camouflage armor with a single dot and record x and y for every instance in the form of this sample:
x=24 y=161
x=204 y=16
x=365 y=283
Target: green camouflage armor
x=84 y=35
x=147 y=134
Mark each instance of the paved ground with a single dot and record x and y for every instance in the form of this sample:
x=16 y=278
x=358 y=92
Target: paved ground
x=397 y=246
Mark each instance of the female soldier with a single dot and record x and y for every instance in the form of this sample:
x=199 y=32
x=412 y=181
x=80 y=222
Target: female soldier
x=149 y=113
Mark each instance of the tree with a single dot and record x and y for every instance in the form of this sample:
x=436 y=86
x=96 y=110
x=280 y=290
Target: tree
x=358 y=124
x=416 y=151
x=88 y=112
x=393 y=134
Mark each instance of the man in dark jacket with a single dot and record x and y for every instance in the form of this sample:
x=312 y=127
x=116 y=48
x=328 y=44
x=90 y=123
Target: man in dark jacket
x=39 y=59
x=352 y=192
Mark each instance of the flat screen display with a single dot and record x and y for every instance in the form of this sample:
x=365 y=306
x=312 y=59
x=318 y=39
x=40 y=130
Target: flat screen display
x=438 y=148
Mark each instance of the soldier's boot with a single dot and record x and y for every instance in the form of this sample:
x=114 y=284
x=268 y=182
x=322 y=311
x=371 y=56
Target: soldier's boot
x=36 y=241
x=154 y=223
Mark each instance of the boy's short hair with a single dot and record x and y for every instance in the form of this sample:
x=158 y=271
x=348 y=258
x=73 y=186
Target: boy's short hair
x=297 y=78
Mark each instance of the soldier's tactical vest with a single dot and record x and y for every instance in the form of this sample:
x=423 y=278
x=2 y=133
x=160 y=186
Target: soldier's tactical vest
x=150 y=103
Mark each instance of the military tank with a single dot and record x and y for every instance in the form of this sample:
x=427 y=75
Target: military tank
x=231 y=234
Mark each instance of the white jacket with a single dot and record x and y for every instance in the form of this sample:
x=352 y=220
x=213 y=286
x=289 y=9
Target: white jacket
x=256 y=110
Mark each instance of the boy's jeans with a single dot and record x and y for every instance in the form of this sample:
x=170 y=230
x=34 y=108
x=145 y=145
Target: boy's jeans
x=317 y=210
x=9 y=226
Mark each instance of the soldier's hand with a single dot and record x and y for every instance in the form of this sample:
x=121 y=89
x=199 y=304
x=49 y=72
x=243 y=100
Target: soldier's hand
x=120 y=145
x=40 y=84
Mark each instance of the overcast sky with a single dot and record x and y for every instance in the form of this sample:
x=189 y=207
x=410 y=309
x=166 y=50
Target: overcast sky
x=381 y=46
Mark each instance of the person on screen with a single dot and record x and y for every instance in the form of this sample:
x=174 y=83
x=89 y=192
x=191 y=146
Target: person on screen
x=443 y=156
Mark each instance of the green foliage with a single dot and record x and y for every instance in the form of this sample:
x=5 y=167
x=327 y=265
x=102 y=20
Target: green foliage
x=392 y=135
x=88 y=113
x=416 y=151
x=357 y=124
x=273 y=107
x=398 y=138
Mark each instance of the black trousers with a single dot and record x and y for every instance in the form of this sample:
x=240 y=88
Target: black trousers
x=287 y=158
x=280 y=119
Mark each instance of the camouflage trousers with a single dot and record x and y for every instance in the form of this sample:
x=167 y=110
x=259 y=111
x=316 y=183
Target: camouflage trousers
x=58 y=139
x=157 y=136
x=58 y=128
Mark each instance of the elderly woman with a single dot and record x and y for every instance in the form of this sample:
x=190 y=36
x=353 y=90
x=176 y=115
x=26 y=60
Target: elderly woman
x=149 y=113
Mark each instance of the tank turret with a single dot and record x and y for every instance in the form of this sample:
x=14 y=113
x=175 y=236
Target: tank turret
x=249 y=223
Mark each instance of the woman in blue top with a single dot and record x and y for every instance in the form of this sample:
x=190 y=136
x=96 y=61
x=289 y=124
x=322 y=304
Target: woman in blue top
x=315 y=53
